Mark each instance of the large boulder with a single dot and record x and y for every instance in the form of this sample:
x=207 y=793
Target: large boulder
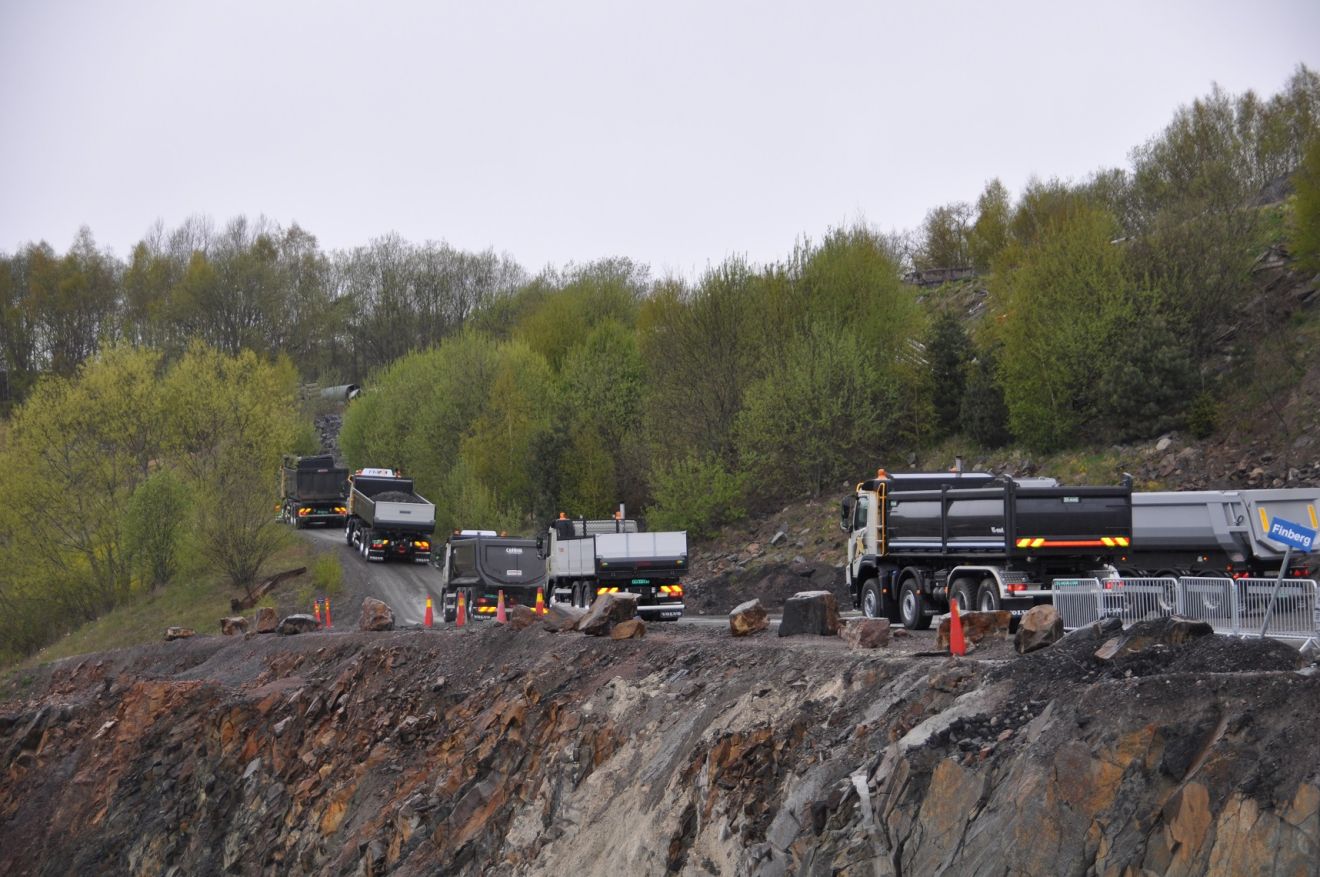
x=295 y=624
x=748 y=618
x=520 y=617
x=558 y=619
x=810 y=612
x=607 y=611
x=866 y=633
x=267 y=620
x=1040 y=627
x=173 y=633
x=234 y=625
x=633 y=628
x=375 y=615
x=976 y=626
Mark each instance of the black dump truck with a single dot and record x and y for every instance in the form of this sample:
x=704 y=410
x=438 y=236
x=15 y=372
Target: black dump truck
x=917 y=539
x=386 y=519
x=480 y=564
x=314 y=490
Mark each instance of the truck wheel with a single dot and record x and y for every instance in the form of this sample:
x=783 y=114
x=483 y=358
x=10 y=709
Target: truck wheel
x=965 y=593
x=910 y=607
x=987 y=598
x=448 y=612
x=348 y=534
x=871 y=599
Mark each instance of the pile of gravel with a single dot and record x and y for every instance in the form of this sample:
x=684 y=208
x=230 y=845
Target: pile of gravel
x=395 y=496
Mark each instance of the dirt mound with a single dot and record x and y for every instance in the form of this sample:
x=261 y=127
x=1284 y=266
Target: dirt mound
x=395 y=496
x=771 y=583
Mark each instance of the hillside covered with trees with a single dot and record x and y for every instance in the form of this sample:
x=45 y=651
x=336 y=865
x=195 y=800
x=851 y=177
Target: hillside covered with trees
x=154 y=388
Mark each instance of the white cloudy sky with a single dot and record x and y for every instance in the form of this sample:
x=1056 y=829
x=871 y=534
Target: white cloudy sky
x=676 y=133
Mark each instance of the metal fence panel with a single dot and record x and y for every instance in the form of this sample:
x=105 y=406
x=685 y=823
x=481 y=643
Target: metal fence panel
x=1078 y=601
x=1231 y=606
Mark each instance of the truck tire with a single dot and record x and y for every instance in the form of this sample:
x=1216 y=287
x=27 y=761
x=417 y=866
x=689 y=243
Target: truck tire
x=987 y=598
x=911 y=607
x=964 y=591
x=448 y=614
x=348 y=533
x=872 y=602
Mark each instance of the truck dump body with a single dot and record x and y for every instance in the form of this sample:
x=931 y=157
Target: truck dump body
x=586 y=557
x=1006 y=519
x=389 y=503
x=314 y=490
x=1221 y=529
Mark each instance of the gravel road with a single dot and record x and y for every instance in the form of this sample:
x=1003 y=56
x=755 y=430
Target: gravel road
x=404 y=587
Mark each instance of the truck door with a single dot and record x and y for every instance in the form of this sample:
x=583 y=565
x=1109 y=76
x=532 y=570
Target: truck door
x=857 y=535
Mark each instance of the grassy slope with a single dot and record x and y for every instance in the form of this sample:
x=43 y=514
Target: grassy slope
x=198 y=602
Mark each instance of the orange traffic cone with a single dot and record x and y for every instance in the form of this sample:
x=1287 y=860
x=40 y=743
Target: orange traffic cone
x=540 y=603
x=429 y=616
x=462 y=611
x=957 y=645
x=501 y=617
x=316 y=610
x=330 y=625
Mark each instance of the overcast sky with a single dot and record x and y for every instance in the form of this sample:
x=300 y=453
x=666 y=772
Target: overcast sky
x=676 y=133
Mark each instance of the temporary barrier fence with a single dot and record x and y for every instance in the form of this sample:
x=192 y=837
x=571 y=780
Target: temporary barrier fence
x=1236 y=607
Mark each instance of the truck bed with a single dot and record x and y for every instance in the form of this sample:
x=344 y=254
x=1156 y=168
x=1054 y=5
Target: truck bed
x=1236 y=521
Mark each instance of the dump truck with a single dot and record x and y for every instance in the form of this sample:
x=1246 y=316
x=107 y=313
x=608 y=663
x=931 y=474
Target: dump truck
x=386 y=519
x=585 y=558
x=480 y=564
x=1217 y=533
x=314 y=491
x=917 y=539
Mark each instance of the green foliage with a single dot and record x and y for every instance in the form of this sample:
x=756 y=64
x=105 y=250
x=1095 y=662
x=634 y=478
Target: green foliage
x=1306 y=209
x=822 y=407
x=108 y=472
x=989 y=234
x=154 y=522
x=947 y=353
x=945 y=238
x=328 y=574
x=696 y=494
x=1203 y=415
x=1060 y=303
x=1143 y=390
x=984 y=416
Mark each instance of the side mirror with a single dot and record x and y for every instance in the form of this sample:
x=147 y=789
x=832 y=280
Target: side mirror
x=846 y=513
x=540 y=546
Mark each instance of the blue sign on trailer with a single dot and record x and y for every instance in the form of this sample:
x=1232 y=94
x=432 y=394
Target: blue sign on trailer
x=1290 y=534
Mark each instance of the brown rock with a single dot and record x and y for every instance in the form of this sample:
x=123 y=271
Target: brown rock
x=1040 y=627
x=173 y=633
x=976 y=626
x=267 y=621
x=234 y=625
x=748 y=618
x=866 y=633
x=810 y=612
x=521 y=617
x=608 y=610
x=375 y=615
x=295 y=624
x=633 y=628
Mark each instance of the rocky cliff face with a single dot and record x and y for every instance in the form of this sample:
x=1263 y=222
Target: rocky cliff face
x=497 y=752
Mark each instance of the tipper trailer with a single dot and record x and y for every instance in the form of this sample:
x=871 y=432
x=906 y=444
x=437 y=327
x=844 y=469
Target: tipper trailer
x=480 y=564
x=314 y=490
x=585 y=558
x=916 y=539
x=386 y=519
x=1217 y=533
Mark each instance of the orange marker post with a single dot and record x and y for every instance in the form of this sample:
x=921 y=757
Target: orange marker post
x=316 y=610
x=540 y=603
x=461 y=618
x=501 y=617
x=430 y=618
x=957 y=645
x=329 y=625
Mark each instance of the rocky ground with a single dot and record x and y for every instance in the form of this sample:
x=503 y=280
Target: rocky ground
x=490 y=751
